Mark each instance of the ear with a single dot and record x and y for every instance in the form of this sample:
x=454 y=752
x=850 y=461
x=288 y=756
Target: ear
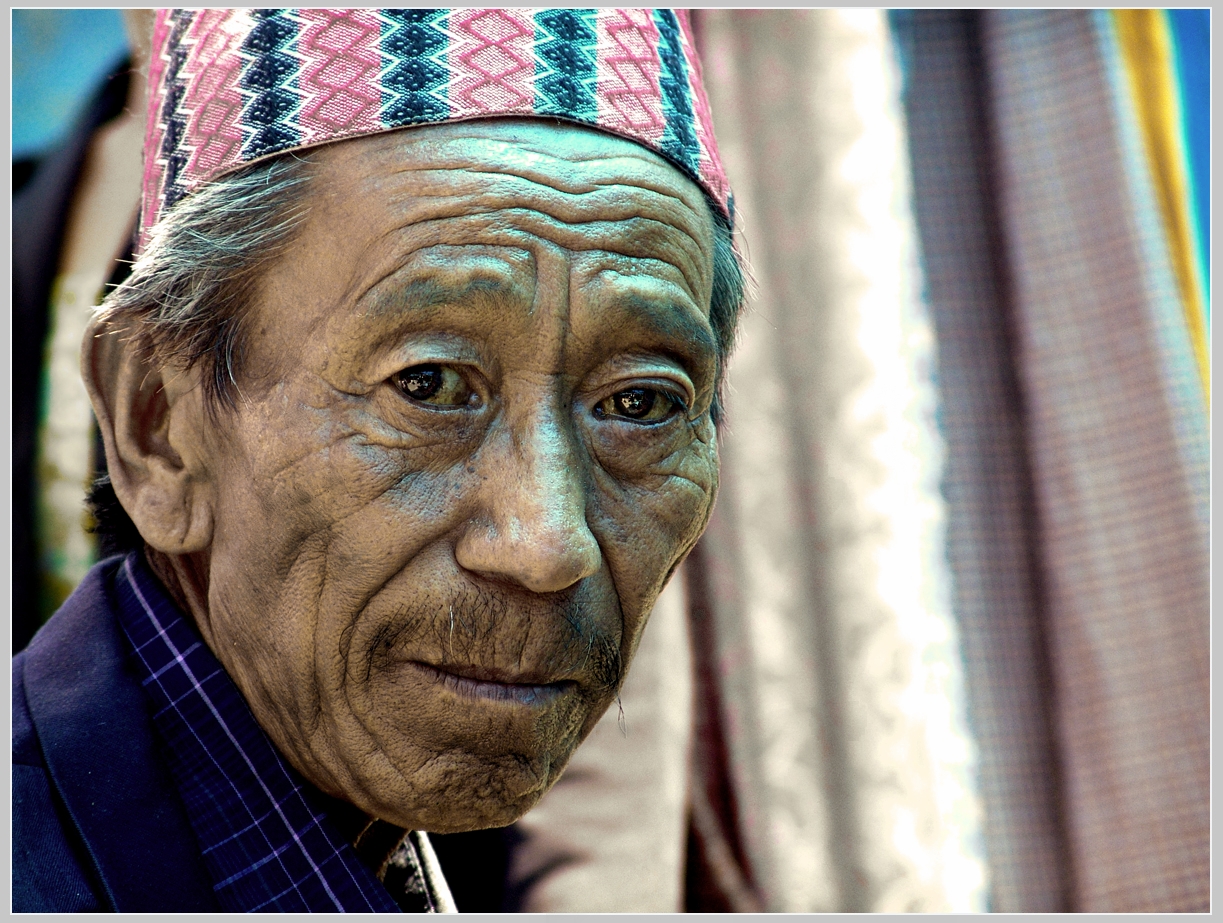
x=153 y=425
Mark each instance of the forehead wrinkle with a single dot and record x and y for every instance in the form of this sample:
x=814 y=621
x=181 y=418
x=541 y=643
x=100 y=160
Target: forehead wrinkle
x=569 y=186
x=539 y=160
x=468 y=188
x=640 y=242
x=613 y=196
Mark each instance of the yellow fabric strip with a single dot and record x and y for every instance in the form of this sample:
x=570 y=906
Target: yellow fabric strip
x=1145 y=40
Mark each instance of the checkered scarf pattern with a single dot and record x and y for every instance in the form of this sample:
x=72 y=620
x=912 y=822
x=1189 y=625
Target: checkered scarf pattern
x=232 y=86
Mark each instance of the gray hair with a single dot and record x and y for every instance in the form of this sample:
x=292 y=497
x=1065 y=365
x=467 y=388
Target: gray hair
x=186 y=298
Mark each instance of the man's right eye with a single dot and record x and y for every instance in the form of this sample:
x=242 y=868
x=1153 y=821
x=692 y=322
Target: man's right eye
x=438 y=385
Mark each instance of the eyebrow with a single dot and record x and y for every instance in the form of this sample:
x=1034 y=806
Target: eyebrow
x=388 y=298
x=672 y=323
x=675 y=326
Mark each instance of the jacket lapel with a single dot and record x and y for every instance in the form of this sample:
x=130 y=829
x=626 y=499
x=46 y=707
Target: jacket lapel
x=97 y=737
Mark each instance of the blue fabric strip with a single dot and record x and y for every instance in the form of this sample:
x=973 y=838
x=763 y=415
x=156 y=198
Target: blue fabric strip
x=1191 y=35
x=172 y=147
x=679 y=141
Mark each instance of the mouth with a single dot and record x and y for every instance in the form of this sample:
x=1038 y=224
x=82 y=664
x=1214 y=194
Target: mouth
x=490 y=684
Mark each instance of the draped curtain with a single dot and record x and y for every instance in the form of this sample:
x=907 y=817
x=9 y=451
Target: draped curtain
x=1024 y=416
x=819 y=595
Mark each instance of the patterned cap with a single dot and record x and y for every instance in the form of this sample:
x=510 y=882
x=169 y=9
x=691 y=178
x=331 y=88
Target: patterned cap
x=229 y=87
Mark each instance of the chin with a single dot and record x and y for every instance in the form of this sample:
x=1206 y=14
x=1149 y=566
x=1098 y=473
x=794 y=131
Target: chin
x=470 y=794
x=489 y=816
x=461 y=754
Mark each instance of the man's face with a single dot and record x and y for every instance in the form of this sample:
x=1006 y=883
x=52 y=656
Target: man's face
x=473 y=441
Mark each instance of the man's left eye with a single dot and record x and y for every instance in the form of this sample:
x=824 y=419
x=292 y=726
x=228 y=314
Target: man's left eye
x=641 y=405
x=433 y=384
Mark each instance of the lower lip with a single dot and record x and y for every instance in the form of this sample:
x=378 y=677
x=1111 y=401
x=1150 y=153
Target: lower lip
x=531 y=694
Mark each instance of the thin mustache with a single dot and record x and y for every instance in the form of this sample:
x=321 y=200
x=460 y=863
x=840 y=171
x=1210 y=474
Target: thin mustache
x=469 y=621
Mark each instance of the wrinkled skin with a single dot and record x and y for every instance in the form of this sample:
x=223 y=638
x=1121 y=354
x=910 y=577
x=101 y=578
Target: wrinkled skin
x=426 y=542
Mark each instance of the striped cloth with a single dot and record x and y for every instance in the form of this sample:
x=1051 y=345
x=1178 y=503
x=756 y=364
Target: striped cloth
x=264 y=831
x=232 y=86
x=991 y=537
x=1118 y=442
x=1077 y=465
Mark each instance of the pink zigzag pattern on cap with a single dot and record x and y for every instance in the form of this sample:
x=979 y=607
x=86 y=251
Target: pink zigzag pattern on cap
x=212 y=103
x=152 y=185
x=711 y=165
x=338 y=80
x=630 y=100
x=492 y=63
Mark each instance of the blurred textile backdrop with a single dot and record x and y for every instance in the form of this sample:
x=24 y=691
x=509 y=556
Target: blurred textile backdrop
x=948 y=631
x=1046 y=172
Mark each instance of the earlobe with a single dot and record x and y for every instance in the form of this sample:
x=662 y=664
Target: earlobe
x=151 y=418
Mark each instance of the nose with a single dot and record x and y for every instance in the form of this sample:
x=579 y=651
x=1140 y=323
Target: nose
x=532 y=527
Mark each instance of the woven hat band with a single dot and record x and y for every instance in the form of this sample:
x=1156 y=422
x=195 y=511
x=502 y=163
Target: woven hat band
x=232 y=86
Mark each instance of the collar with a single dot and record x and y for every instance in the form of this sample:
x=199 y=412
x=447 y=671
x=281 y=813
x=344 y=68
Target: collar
x=265 y=833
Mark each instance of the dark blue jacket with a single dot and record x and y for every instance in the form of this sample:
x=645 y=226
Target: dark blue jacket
x=97 y=822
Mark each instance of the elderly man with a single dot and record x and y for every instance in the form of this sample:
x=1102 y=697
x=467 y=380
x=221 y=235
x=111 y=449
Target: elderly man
x=410 y=398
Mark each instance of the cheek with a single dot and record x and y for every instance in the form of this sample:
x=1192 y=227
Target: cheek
x=308 y=529
x=339 y=495
x=648 y=523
